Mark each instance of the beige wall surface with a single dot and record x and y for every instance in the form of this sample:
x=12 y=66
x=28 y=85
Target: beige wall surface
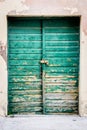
x=43 y=8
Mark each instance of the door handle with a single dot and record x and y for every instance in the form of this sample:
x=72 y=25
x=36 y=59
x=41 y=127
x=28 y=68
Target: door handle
x=44 y=62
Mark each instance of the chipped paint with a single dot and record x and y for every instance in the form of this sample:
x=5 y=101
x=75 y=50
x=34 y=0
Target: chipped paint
x=3 y=51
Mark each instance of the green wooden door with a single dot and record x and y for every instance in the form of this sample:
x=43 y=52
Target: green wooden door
x=24 y=68
x=61 y=38
x=43 y=65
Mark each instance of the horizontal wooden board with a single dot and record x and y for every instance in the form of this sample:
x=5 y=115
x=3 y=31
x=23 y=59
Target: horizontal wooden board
x=61 y=75
x=57 y=44
x=62 y=22
x=63 y=110
x=62 y=103
x=61 y=29
x=57 y=89
x=30 y=70
x=24 y=56
x=62 y=82
x=25 y=86
x=24 y=62
x=63 y=54
x=22 y=30
x=62 y=37
x=25 y=92
x=61 y=96
x=26 y=104
x=24 y=72
x=62 y=69
x=25 y=98
x=23 y=23
x=24 y=37
x=67 y=64
x=23 y=78
x=25 y=109
x=26 y=51
x=25 y=44
x=62 y=61
x=62 y=48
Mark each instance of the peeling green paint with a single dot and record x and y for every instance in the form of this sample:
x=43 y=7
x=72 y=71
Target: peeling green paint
x=43 y=88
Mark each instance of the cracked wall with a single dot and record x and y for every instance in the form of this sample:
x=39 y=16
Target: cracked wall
x=43 y=8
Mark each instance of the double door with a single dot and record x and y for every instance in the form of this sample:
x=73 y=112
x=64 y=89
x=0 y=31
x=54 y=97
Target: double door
x=43 y=65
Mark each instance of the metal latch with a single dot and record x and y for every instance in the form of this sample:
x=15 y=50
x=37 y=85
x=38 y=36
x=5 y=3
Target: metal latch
x=44 y=62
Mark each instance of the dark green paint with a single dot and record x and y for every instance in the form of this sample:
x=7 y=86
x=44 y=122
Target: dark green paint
x=61 y=30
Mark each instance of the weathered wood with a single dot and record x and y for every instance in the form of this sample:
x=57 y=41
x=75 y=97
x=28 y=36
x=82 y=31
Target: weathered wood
x=29 y=41
x=24 y=86
x=25 y=98
x=60 y=78
x=63 y=61
x=57 y=89
x=62 y=69
x=26 y=104
x=24 y=109
x=62 y=103
x=62 y=82
x=23 y=78
x=24 y=72
x=24 y=62
x=24 y=68
x=61 y=96
x=25 y=92
x=61 y=75
x=61 y=110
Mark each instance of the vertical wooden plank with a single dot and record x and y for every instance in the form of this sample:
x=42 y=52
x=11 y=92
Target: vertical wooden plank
x=43 y=65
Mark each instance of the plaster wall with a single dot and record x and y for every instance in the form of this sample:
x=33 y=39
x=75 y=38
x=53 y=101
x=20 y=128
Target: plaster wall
x=28 y=8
